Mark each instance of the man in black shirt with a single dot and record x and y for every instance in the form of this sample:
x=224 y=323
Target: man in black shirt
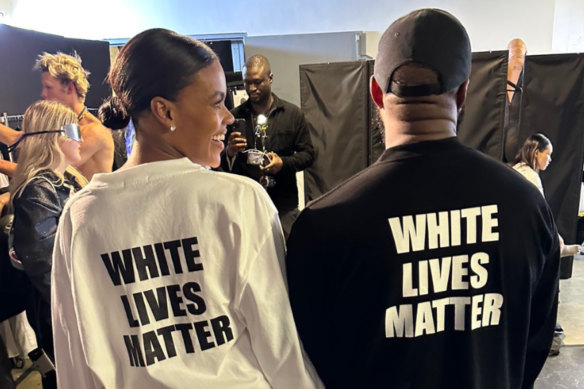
x=437 y=266
x=287 y=140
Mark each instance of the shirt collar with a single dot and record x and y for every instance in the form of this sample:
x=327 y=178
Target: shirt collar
x=420 y=148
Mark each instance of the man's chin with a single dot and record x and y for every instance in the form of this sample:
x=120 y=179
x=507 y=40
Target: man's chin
x=256 y=99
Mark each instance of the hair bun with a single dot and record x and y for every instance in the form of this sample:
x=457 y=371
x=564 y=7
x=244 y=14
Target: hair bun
x=113 y=114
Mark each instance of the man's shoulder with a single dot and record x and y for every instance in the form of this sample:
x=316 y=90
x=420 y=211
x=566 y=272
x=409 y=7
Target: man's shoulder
x=493 y=172
x=462 y=167
x=91 y=126
x=241 y=110
x=286 y=105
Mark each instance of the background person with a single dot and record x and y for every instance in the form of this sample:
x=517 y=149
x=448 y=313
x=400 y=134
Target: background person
x=409 y=274
x=64 y=80
x=533 y=157
x=288 y=140
x=8 y=136
x=39 y=190
x=185 y=289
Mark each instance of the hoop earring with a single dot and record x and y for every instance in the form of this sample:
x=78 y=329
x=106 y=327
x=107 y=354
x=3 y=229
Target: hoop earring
x=172 y=127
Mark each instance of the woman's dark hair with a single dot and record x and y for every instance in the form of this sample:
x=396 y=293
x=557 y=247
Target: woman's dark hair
x=156 y=62
x=526 y=154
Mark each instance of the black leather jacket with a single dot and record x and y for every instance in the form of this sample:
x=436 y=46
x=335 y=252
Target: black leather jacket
x=36 y=215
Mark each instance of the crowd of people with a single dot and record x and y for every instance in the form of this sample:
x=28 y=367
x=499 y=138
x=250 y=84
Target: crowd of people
x=191 y=264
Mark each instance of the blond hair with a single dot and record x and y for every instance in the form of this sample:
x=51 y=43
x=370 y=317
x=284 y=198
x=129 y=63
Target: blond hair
x=65 y=68
x=40 y=152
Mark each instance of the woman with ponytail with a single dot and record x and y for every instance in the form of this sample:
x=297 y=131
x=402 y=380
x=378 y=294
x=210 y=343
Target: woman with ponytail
x=532 y=158
x=168 y=274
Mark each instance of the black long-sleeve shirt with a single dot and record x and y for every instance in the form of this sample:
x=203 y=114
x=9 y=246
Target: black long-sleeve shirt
x=436 y=267
x=288 y=135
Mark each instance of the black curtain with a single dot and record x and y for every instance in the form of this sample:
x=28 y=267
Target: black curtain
x=481 y=121
x=335 y=99
x=346 y=137
x=553 y=103
x=20 y=86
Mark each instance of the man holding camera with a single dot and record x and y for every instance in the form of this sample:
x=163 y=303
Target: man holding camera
x=282 y=143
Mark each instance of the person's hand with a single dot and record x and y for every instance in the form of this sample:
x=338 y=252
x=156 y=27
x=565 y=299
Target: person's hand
x=274 y=166
x=4 y=199
x=236 y=144
x=569 y=249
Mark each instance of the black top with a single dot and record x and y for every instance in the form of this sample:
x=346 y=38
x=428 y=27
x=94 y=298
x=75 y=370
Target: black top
x=36 y=216
x=288 y=135
x=436 y=267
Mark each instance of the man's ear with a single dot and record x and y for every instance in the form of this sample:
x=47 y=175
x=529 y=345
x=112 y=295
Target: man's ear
x=70 y=88
x=271 y=77
x=376 y=92
x=461 y=95
x=162 y=110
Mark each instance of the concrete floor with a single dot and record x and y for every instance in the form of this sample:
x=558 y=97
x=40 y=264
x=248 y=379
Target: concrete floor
x=32 y=381
x=566 y=371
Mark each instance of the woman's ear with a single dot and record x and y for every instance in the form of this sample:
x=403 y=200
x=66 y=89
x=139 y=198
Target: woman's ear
x=162 y=110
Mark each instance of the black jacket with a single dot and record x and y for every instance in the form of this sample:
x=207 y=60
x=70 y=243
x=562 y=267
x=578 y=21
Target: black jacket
x=289 y=137
x=36 y=215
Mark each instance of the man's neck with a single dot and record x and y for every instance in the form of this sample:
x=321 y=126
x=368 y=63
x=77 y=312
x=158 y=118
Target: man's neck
x=77 y=107
x=262 y=108
x=434 y=119
x=409 y=133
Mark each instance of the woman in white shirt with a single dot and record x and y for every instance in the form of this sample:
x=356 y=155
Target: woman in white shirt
x=168 y=274
x=533 y=157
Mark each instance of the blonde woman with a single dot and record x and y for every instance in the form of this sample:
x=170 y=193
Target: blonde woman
x=39 y=190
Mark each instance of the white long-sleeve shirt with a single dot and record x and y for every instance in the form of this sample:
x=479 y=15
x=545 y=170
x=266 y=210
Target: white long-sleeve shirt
x=530 y=175
x=168 y=275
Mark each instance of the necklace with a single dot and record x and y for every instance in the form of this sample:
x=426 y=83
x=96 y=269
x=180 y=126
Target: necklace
x=81 y=113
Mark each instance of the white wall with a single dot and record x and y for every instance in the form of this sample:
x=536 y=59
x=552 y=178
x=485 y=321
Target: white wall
x=287 y=52
x=491 y=24
x=569 y=26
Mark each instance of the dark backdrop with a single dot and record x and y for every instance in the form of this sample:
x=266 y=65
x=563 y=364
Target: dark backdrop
x=346 y=134
x=336 y=101
x=481 y=121
x=552 y=102
x=20 y=85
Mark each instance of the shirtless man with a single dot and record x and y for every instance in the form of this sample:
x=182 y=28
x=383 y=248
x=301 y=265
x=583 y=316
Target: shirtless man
x=64 y=80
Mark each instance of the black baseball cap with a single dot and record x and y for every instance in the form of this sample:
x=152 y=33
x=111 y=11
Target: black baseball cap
x=428 y=37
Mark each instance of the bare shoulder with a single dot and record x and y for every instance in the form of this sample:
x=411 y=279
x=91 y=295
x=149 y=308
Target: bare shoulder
x=93 y=131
